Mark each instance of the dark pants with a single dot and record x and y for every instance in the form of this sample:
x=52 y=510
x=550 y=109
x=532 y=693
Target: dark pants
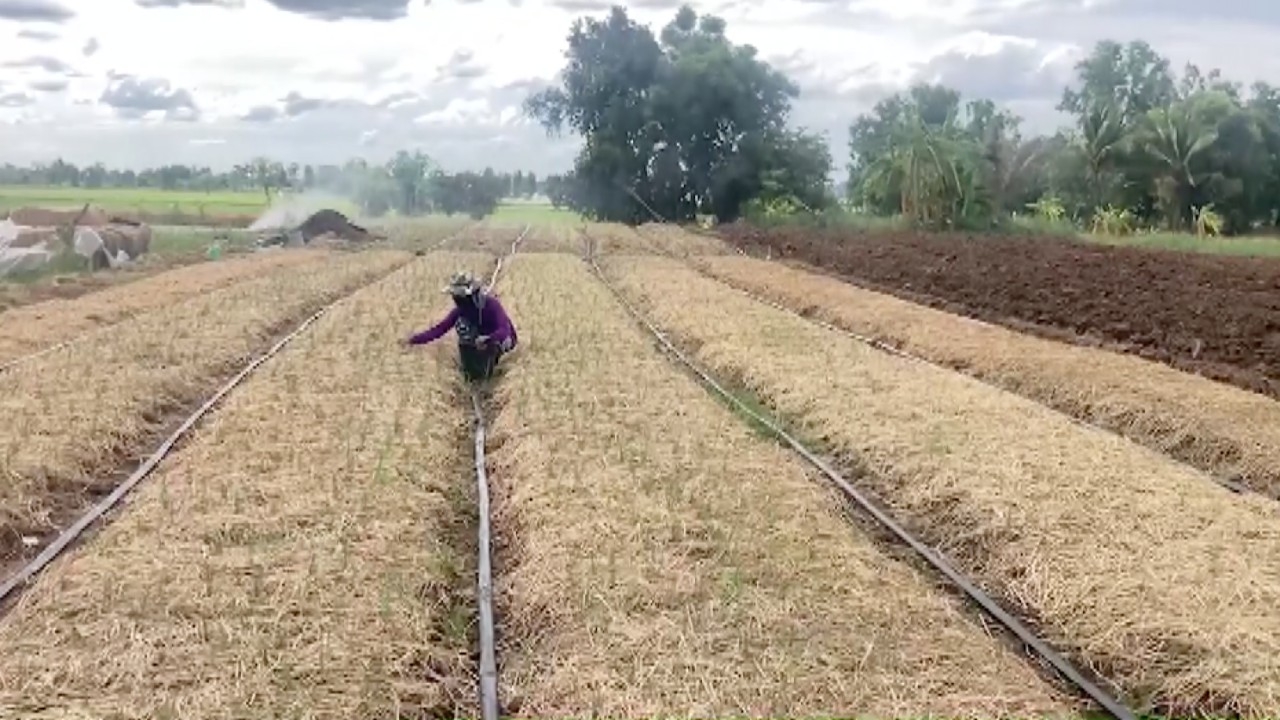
x=478 y=363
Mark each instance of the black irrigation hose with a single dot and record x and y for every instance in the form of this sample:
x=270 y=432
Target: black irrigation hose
x=1028 y=637
x=484 y=575
x=70 y=534
x=489 y=707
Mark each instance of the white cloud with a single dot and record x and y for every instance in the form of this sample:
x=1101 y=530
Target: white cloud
x=217 y=81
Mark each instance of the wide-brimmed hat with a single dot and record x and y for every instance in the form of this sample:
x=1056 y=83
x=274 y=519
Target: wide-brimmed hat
x=462 y=284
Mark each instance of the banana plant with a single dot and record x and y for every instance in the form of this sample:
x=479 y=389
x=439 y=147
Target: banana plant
x=1111 y=220
x=932 y=169
x=1048 y=208
x=1208 y=221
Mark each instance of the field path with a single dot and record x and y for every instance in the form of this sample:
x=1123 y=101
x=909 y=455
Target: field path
x=1131 y=562
x=305 y=556
x=658 y=558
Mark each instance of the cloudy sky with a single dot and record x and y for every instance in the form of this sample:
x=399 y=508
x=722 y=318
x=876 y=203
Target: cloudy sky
x=135 y=83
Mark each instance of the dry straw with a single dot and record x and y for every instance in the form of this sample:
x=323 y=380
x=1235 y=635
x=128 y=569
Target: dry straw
x=672 y=240
x=298 y=559
x=33 y=328
x=1224 y=430
x=659 y=559
x=1133 y=563
x=72 y=419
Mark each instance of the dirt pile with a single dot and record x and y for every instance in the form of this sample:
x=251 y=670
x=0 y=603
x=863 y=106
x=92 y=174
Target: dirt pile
x=325 y=227
x=1215 y=315
x=332 y=222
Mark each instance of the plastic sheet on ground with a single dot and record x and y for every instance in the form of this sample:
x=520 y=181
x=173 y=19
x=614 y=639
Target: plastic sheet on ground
x=19 y=259
x=88 y=242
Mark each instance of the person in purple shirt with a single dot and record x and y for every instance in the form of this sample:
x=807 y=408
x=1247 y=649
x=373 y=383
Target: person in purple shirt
x=485 y=332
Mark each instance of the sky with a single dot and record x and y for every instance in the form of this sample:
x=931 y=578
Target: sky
x=140 y=83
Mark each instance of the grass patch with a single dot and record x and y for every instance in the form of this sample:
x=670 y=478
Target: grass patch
x=1250 y=246
x=533 y=213
x=124 y=200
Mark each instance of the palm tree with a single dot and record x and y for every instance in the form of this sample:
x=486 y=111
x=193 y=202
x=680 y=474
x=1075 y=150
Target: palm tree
x=1175 y=138
x=1102 y=140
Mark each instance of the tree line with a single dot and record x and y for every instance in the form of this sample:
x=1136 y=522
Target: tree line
x=1146 y=148
x=686 y=123
x=411 y=183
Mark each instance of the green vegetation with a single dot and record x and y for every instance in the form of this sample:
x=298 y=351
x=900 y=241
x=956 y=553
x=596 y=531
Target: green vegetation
x=534 y=213
x=133 y=200
x=682 y=123
x=676 y=125
x=1191 y=154
x=409 y=184
x=1244 y=245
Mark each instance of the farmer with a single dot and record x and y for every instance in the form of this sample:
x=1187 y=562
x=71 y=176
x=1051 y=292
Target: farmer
x=485 y=333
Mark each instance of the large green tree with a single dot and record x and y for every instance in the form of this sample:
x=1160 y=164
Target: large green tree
x=677 y=124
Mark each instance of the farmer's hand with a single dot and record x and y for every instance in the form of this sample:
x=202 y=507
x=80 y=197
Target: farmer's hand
x=482 y=341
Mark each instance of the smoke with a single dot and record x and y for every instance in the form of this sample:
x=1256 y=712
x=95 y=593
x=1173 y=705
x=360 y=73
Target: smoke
x=289 y=210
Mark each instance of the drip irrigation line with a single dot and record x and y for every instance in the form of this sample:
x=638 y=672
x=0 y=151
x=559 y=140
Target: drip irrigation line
x=1228 y=484
x=69 y=535
x=488 y=685
x=975 y=594
x=515 y=244
x=7 y=366
x=484 y=574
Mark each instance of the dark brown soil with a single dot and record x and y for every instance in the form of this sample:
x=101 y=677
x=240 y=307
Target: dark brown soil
x=335 y=223
x=1215 y=315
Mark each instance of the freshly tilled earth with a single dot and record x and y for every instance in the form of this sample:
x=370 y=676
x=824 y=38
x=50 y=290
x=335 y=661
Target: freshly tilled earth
x=1215 y=315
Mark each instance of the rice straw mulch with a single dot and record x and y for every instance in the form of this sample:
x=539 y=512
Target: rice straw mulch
x=1219 y=428
x=674 y=240
x=32 y=328
x=70 y=420
x=659 y=559
x=1132 y=562
x=301 y=558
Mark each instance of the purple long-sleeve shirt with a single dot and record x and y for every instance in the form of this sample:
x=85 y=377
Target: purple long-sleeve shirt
x=493 y=322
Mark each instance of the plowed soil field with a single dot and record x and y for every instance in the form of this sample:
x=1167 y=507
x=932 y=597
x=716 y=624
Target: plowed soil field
x=1214 y=315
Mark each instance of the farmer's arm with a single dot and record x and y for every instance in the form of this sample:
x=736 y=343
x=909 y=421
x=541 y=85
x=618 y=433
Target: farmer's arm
x=499 y=327
x=435 y=332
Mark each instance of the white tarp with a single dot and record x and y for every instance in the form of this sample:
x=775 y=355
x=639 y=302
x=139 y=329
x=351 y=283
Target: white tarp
x=18 y=260
x=8 y=232
x=88 y=242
